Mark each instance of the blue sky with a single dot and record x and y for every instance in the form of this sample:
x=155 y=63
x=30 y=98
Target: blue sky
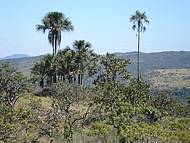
x=104 y=23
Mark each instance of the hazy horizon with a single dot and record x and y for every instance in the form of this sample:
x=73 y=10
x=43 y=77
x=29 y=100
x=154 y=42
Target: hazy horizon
x=27 y=55
x=103 y=23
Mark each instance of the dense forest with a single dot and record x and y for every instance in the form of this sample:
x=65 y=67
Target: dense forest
x=54 y=105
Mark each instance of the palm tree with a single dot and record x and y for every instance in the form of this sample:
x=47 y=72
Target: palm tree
x=39 y=73
x=66 y=64
x=82 y=49
x=45 y=71
x=55 y=23
x=139 y=20
x=50 y=68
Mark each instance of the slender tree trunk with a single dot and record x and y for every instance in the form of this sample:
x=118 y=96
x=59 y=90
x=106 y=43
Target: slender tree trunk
x=54 y=78
x=81 y=78
x=74 y=79
x=70 y=79
x=53 y=50
x=138 y=59
x=78 y=79
x=55 y=44
x=42 y=82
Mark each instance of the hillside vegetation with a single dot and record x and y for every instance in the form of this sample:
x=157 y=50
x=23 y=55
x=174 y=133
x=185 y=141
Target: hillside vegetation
x=111 y=111
x=48 y=99
x=149 y=61
x=161 y=69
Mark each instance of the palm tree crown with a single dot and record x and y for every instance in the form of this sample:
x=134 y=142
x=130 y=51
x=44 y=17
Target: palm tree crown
x=139 y=20
x=55 y=23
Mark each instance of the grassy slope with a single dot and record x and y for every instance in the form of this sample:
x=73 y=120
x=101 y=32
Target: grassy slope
x=169 y=78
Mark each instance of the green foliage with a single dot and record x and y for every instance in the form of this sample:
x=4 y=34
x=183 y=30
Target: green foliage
x=55 y=23
x=112 y=69
x=139 y=20
x=167 y=104
x=137 y=94
x=17 y=125
x=12 y=84
x=45 y=71
x=178 y=129
x=101 y=131
x=67 y=97
x=68 y=65
x=116 y=109
x=85 y=59
x=118 y=104
x=51 y=124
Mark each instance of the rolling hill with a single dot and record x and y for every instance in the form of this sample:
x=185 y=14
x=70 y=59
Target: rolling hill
x=161 y=69
x=23 y=64
x=15 y=56
x=158 y=60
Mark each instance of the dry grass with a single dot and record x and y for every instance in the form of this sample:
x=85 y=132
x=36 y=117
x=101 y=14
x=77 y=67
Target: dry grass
x=170 y=78
x=46 y=102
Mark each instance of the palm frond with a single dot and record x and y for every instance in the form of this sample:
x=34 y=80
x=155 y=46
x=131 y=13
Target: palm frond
x=134 y=27
x=132 y=18
x=88 y=44
x=41 y=28
x=144 y=29
x=146 y=21
x=67 y=25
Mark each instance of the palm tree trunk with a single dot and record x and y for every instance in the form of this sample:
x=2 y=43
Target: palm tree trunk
x=55 y=44
x=54 y=54
x=138 y=60
x=74 y=79
x=78 y=79
x=42 y=82
x=54 y=78
x=81 y=78
x=53 y=50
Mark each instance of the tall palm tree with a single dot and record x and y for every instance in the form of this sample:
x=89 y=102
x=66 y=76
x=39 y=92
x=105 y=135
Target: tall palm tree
x=55 y=23
x=82 y=49
x=139 y=20
x=66 y=64
x=39 y=73
x=51 y=68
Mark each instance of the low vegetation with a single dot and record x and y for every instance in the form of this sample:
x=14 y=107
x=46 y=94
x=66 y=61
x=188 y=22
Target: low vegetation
x=107 y=111
x=55 y=105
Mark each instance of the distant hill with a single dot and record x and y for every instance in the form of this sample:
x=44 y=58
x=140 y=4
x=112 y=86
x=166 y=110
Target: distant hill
x=15 y=56
x=148 y=61
x=23 y=65
x=158 y=60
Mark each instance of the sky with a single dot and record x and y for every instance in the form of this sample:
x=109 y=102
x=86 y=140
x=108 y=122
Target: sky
x=104 y=23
